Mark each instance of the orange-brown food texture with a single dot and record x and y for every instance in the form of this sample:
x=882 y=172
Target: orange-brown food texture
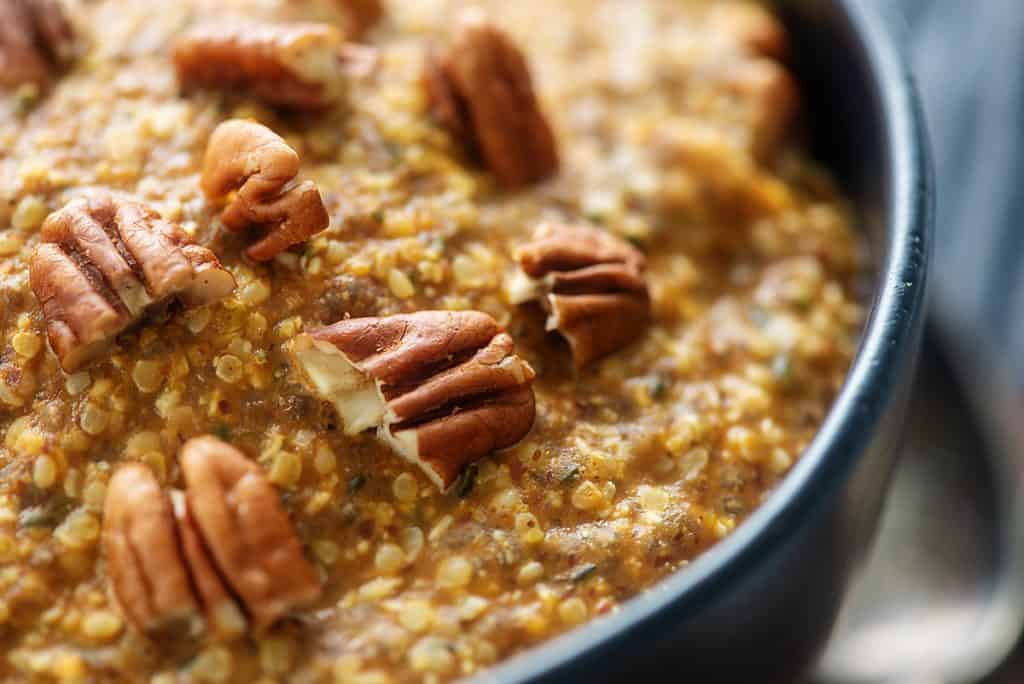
x=635 y=464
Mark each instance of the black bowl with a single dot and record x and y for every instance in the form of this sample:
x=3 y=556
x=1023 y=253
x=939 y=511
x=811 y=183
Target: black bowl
x=759 y=606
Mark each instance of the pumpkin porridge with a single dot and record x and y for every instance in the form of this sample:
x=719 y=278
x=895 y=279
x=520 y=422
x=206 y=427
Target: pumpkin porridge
x=361 y=342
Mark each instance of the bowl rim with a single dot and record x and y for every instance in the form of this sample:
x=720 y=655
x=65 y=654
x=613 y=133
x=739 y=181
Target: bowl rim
x=890 y=338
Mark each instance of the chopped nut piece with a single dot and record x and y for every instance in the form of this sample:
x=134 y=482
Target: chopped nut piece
x=35 y=39
x=238 y=515
x=251 y=159
x=140 y=543
x=104 y=261
x=480 y=90
x=289 y=65
x=442 y=388
x=591 y=284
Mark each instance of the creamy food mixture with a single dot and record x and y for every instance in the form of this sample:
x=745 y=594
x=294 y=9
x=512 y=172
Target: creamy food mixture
x=667 y=119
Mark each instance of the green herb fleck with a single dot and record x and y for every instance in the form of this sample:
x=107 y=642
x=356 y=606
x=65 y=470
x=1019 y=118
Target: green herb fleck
x=356 y=483
x=597 y=219
x=223 y=432
x=570 y=475
x=467 y=480
x=581 y=572
x=45 y=515
x=377 y=216
x=659 y=388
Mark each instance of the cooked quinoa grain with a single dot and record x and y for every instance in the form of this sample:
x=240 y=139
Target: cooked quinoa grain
x=636 y=463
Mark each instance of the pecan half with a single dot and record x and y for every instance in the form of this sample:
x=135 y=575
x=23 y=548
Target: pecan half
x=240 y=520
x=143 y=556
x=250 y=159
x=591 y=284
x=35 y=40
x=753 y=73
x=105 y=260
x=289 y=65
x=442 y=388
x=769 y=100
x=481 y=91
x=750 y=27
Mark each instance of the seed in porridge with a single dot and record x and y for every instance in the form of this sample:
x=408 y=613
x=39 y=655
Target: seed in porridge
x=286 y=469
x=455 y=573
x=27 y=344
x=229 y=368
x=529 y=528
x=213 y=665
x=431 y=654
x=405 y=488
x=148 y=375
x=94 y=420
x=416 y=616
x=10 y=243
x=326 y=551
x=530 y=573
x=101 y=625
x=400 y=284
x=588 y=496
x=389 y=558
x=277 y=654
x=44 y=472
x=572 y=611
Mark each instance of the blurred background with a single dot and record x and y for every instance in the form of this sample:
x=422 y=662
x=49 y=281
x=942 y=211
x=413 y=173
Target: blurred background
x=942 y=599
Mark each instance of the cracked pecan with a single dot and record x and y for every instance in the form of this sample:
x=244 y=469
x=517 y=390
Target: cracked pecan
x=480 y=90
x=103 y=261
x=252 y=161
x=288 y=65
x=442 y=388
x=240 y=520
x=590 y=283
x=36 y=39
x=143 y=556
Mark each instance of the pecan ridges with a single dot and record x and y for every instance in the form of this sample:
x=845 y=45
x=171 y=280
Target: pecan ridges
x=591 y=284
x=290 y=65
x=36 y=39
x=449 y=385
x=224 y=545
x=103 y=261
x=481 y=91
